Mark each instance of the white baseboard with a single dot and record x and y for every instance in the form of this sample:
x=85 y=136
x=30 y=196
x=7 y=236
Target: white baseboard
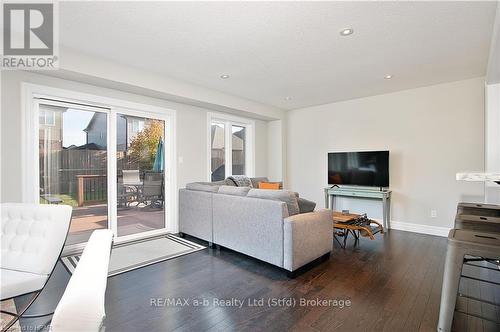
x=417 y=228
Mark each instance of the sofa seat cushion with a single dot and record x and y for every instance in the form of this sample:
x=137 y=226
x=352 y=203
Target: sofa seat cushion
x=15 y=283
x=232 y=190
x=278 y=195
x=306 y=205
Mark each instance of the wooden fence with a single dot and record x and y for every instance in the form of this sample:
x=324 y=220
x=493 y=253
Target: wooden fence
x=61 y=171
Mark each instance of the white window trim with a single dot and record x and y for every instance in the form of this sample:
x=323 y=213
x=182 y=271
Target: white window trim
x=228 y=120
x=30 y=162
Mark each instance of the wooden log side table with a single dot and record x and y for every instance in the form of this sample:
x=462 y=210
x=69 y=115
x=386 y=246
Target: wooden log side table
x=355 y=224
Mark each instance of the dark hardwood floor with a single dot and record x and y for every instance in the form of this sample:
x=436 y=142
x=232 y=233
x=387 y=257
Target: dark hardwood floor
x=392 y=283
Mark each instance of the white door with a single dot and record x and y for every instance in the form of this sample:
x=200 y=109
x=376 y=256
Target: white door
x=73 y=164
x=142 y=203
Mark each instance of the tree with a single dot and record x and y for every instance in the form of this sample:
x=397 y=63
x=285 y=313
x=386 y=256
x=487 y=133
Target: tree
x=143 y=146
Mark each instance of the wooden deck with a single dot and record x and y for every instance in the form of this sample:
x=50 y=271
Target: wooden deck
x=131 y=220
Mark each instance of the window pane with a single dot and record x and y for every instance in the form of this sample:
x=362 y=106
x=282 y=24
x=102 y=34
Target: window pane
x=238 y=142
x=73 y=166
x=140 y=169
x=49 y=118
x=218 y=164
x=41 y=116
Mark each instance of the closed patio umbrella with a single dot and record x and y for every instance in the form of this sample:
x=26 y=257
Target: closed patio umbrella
x=159 y=159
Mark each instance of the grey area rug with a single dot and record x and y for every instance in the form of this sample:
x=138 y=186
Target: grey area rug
x=133 y=255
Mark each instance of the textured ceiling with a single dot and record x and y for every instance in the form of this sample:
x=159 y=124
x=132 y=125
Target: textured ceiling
x=275 y=50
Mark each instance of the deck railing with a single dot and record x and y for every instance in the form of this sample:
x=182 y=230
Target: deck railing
x=91 y=189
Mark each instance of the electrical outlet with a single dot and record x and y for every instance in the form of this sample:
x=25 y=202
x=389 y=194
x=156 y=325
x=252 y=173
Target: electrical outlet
x=434 y=214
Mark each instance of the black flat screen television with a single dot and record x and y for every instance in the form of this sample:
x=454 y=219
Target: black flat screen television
x=367 y=168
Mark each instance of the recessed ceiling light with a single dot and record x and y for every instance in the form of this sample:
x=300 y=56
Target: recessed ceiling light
x=288 y=98
x=224 y=76
x=346 y=32
x=388 y=77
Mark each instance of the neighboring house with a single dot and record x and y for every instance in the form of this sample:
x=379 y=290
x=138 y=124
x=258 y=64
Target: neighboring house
x=134 y=126
x=127 y=129
x=97 y=128
x=50 y=122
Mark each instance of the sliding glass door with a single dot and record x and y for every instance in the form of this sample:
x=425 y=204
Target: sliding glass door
x=108 y=165
x=73 y=162
x=140 y=174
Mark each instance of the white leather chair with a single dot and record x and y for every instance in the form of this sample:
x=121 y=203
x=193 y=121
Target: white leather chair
x=32 y=237
x=81 y=307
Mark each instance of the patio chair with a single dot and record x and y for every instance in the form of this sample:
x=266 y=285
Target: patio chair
x=126 y=195
x=131 y=177
x=152 y=189
x=33 y=238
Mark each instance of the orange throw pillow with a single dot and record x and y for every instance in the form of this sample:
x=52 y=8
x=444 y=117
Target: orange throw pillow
x=269 y=185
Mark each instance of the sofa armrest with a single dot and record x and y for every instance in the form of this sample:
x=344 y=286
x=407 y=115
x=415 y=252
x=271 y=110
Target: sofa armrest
x=195 y=213
x=307 y=236
x=252 y=226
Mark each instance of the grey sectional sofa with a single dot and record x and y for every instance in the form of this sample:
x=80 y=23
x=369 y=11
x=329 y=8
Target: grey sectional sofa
x=260 y=223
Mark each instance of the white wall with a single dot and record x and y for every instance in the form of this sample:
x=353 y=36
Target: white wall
x=431 y=132
x=261 y=147
x=275 y=155
x=493 y=70
x=191 y=131
x=492 y=140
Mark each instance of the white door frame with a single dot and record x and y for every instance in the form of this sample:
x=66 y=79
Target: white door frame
x=30 y=165
x=168 y=173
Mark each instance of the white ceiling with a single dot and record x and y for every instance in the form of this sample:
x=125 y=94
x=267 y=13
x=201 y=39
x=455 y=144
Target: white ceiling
x=273 y=50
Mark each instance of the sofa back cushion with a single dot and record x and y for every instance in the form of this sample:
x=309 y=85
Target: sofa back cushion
x=278 y=195
x=306 y=205
x=232 y=190
x=225 y=182
x=203 y=186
